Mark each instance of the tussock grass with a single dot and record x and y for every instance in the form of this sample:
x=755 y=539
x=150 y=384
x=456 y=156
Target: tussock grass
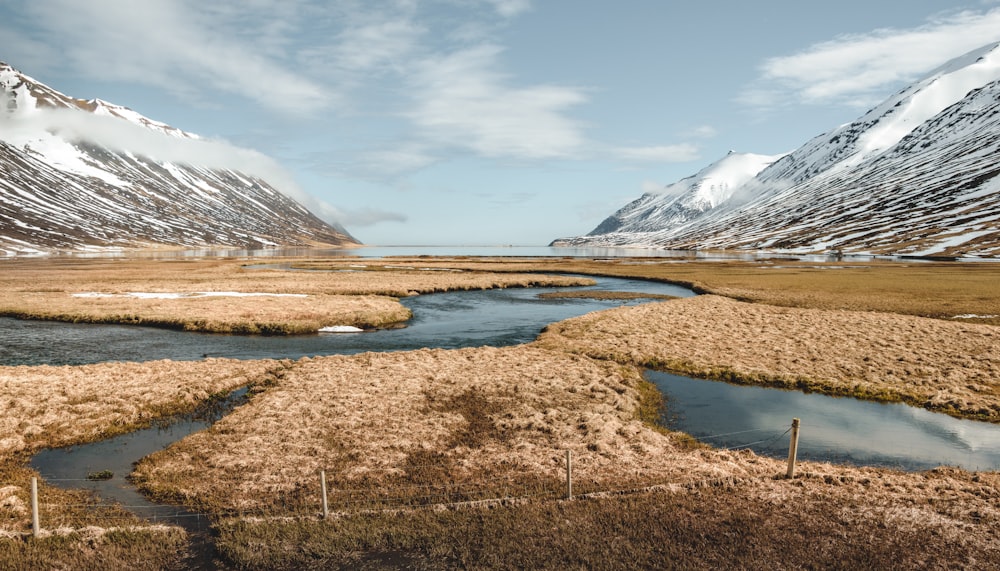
x=943 y=366
x=77 y=532
x=33 y=290
x=472 y=421
x=700 y=528
x=449 y=418
x=486 y=423
x=48 y=406
x=228 y=315
x=58 y=406
x=97 y=549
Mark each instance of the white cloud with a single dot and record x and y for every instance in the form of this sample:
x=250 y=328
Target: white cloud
x=678 y=153
x=382 y=165
x=383 y=43
x=121 y=135
x=702 y=132
x=859 y=69
x=649 y=186
x=182 y=46
x=510 y=8
x=463 y=101
x=372 y=216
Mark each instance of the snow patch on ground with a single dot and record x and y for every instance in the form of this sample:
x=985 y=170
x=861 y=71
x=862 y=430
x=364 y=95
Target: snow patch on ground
x=181 y=295
x=340 y=329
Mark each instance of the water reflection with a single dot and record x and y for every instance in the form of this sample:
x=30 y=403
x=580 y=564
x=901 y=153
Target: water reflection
x=70 y=466
x=463 y=251
x=498 y=317
x=833 y=429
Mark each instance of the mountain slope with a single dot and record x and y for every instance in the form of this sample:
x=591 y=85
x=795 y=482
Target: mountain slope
x=687 y=198
x=915 y=175
x=62 y=190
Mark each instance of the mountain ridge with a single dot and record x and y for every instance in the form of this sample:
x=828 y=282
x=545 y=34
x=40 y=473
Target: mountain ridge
x=912 y=176
x=64 y=189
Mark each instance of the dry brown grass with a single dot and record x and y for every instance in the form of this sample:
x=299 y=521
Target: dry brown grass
x=437 y=425
x=49 y=406
x=385 y=424
x=465 y=412
x=944 y=366
x=57 y=406
x=258 y=315
x=30 y=289
x=815 y=523
x=927 y=289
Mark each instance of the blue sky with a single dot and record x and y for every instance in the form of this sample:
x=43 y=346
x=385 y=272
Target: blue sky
x=488 y=122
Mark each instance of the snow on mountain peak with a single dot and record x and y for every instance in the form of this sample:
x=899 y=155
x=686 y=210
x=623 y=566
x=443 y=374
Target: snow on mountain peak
x=87 y=173
x=716 y=183
x=939 y=89
x=688 y=198
x=915 y=175
x=886 y=124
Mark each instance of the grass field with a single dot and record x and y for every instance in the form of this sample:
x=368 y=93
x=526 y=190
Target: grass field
x=225 y=296
x=939 y=290
x=939 y=365
x=402 y=435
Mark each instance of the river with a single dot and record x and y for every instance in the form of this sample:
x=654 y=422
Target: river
x=843 y=430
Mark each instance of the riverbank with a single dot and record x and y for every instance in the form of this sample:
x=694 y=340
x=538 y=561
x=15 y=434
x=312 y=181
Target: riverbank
x=943 y=366
x=962 y=291
x=441 y=459
x=414 y=448
x=46 y=406
x=224 y=296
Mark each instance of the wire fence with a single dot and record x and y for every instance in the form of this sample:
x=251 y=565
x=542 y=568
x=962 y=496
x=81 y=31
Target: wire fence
x=414 y=486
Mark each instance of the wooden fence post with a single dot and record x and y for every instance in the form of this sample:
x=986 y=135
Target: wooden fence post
x=322 y=483
x=793 y=448
x=36 y=528
x=569 y=474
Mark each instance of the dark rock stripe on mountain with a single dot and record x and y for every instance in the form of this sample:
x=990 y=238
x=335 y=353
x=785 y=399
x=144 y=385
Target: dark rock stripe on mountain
x=916 y=175
x=60 y=192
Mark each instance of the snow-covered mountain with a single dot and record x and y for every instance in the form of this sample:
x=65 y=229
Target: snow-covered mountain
x=688 y=198
x=915 y=175
x=63 y=186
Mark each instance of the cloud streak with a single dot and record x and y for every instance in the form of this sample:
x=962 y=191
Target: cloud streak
x=858 y=69
x=679 y=153
x=181 y=46
x=409 y=84
x=462 y=100
x=120 y=135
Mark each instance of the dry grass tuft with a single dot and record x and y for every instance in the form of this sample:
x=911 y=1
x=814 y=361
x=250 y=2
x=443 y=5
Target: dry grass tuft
x=33 y=290
x=944 y=366
x=49 y=406
x=466 y=420
x=261 y=315
x=409 y=431
x=715 y=527
x=464 y=416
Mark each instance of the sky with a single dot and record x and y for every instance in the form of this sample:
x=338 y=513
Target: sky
x=489 y=122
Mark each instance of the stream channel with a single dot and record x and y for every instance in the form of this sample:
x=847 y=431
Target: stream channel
x=720 y=414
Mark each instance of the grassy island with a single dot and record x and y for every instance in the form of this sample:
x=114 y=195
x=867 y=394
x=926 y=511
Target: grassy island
x=440 y=459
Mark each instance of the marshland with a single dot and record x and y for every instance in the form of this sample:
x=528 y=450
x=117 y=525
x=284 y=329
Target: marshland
x=444 y=458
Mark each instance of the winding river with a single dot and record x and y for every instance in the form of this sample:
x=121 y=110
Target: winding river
x=843 y=430
x=497 y=317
